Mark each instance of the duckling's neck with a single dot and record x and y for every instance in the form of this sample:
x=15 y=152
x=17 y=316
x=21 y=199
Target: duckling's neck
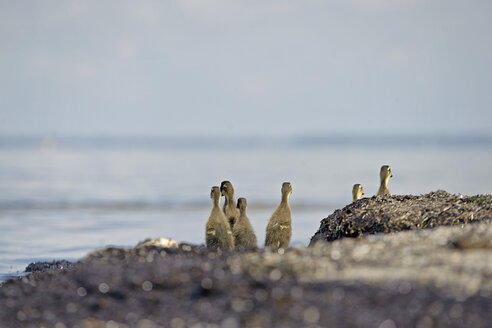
x=230 y=201
x=216 y=202
x=383 y=188
x=355 y=196
x=384 y=181
x=285 y=199
x=242 y=214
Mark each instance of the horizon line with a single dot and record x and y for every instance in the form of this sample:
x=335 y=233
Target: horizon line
x=297 y=140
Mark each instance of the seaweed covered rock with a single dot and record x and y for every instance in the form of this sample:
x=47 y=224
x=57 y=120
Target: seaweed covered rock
x=384 y=214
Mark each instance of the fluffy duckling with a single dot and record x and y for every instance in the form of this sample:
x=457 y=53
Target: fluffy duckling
x=244 y=236
x=279 y=229
x=357 y=192
x=218 y=233
x=385 y=174
x=230 y=210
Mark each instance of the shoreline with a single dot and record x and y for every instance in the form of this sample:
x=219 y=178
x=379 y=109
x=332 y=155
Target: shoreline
x=352 y=281
x=424 y=277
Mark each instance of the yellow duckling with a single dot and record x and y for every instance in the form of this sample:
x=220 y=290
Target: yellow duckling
x=279 y=229
x=218 y=233
x=357 y=192
x=385 y=174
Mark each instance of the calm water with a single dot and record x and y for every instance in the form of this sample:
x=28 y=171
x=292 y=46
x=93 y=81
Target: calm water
x=63 y=203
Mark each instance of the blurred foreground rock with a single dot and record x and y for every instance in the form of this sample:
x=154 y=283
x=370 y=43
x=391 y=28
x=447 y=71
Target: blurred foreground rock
x=428 y=278
x=49 y=266
x=384 y=214
x=159 y=242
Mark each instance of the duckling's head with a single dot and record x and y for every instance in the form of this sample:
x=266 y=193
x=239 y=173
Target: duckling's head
x=385 y=172
x=241 y=204
x=357 y=191
x=286 y=188
x=226 y=188
x=215 y=193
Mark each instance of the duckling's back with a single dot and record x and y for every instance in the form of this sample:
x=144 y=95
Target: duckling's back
x=217 y=233
x=279 y=229
x=243 y=233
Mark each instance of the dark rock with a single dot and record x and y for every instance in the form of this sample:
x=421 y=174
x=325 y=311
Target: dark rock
x=53 y=265
x=386 y=214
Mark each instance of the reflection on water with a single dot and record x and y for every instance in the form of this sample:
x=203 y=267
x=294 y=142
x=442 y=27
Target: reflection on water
x=66 y=202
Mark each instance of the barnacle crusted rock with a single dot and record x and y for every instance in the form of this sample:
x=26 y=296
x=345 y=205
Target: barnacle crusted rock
x=384 y=214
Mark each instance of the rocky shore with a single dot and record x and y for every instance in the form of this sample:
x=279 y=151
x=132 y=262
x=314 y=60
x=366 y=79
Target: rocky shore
x=439 y=277
x=384 y=214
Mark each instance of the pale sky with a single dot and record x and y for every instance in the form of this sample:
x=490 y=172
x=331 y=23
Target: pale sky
x=261 y=67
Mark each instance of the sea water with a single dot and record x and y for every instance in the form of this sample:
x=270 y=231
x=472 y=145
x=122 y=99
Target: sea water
x=63 y=202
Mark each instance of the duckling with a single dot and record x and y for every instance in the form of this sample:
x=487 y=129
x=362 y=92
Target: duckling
x=357 y=192
x=244 y=236
x=218 y=233
x=225 y=199
x=279 y=229
x=385 y=174
x=230 y=210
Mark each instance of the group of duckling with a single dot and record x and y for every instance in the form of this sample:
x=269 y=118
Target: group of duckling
x=229 y=228
x=384 y=175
